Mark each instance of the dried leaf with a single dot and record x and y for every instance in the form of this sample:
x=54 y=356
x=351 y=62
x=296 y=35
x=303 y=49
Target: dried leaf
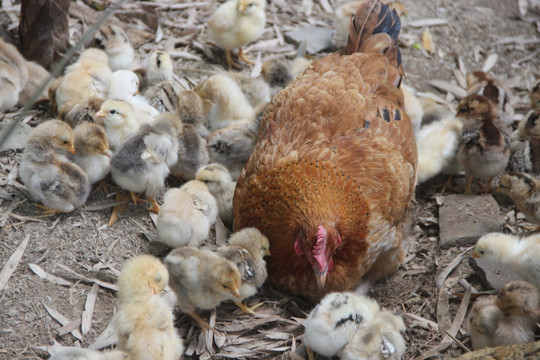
x=459 y=92
x=490 y=62
x=62 y=320
x=12 y=263
x=427 y=42
x=90 y=280
x=66 y=329
x=455 y=262
x=49 y=277
x=107 y=338
x=86 y=319
x=428 y=22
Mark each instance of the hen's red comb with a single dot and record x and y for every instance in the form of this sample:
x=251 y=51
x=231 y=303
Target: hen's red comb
x=320 y=248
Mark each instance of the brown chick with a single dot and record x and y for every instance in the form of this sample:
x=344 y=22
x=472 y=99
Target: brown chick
x=115 y=42
x=192 y=153
x=480 y=83
x=36 y=76
x=535 y=95
x=201 y=279
x=159 y=88
x=77 y=111
x=92 y=152
x=49 y=176
x=13 y=75
x=524 y=190
x=237 y=23
x=277 y=73
x=75 y=353
x=528 y=351
x=484 y=145
x=221 y=185
x=144 y=320
x=525 y=145
x=246 y=249
x=485 y=317
x=192 y=109
x=519 y=298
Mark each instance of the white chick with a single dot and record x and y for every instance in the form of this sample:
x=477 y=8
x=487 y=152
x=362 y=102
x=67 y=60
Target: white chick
x=201 y=279
x=115 y=42
x=13 y=75
x=192 y=153
x=124 y=85
x=87 y=78
x=49 y=176
x=236 y=23
x=119 y=121
x=221 y=186
x=144 y=321
x=74 y=353
x=412 y=106
x=517 y=253
x=142 y=163
x=438 y=143
x=36 y=76
x=186 y=215
x=230 y=103
x=232 y=145
x=380 y=339
x=333 y=322
x=92 y=152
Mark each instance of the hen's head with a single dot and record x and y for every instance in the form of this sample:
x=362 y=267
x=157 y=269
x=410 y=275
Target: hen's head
x=318 y=248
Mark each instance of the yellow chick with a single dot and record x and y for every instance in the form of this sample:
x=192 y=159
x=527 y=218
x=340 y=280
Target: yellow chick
x=517 y=253
x=484 y=144
x=92 y=152
x=74 y=353
x=485 y=318
x=124 y=85
x=256 y=90
x=332 y=324
x=142 y=163
x=230 y=103
x=36 y=76
x=119 y=121
x=144 y=321
x=247 y=248
x=13 y=75
x=343 y=18
x=201 y=279
x=192 y=110
x=412 y=106
x=49 y=176
x=480 y=83
x=87 y=78
x=524 y=190
x=115 y=42
x=237 y=23
x=221 y=186
x=380 y=339
x=192 y=153
x=186 y=215
x=232 y=145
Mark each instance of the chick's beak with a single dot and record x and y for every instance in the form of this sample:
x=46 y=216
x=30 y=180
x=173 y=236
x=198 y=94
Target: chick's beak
x=321 y=279
x=476 y=255
x=242 y=8
x=235 y=292
x=71 y=148
x=100 y=114
x=267 y=252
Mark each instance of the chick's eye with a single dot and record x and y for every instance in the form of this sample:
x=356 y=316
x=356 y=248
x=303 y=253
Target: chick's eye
x=112 y=112
x=206 y=181
x=224 y=286
x=65 y=142
x=158 y=278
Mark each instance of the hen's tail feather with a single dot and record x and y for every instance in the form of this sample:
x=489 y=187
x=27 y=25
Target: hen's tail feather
x=372 y=18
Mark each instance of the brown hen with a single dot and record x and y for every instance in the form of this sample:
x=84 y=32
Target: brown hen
x=334 y=167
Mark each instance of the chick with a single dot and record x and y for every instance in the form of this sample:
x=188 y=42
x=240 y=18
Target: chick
x=49 y=176
x=380 y=339
x=160 y=88
x=333 y=322
x=485 y=318
x=87 y=78
x=124 y=85
x=256 y=90
x=484 y=145
x=36 y=76
x=92 y=152
x=142 y=163
x=519 y=298
x=119 y=121
x=186 y=215
x=192 y=109
x=535 y=95
x=237 y=23
x=413 y=107
x=246 y=249
x=277 y=73
x=221 y=186
x=232 y=145
x=75 y=353
x=525 y=145
x=524 y=190
x=192 y=153
x=201 y=279
x=480 y=83
x=144 y=320
x=230 y=103
x=77 y=111
x=517 y=253
x=343 y=18
x=115 y=42
x=13 y=75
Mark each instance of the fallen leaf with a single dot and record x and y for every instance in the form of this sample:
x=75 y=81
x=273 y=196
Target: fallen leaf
x=427 y=42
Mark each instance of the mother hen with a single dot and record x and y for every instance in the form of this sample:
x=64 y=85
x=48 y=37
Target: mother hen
x=334 y=167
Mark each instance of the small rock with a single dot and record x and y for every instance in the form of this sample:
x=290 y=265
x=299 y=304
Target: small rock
x=491 y=275
x=317 y=38
x=464 y=218
x=17 y=138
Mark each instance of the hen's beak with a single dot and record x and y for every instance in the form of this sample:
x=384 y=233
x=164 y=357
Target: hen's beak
x=321 y=279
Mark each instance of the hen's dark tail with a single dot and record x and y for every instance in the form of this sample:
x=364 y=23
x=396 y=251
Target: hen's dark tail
x=375 y=27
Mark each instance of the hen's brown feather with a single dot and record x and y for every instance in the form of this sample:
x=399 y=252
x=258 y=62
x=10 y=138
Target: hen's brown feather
x=335 y=149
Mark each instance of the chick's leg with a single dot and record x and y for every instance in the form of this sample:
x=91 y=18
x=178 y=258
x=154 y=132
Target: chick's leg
x=136 y=198
x=469 y=183
x=242 y=57
x=230 y=61
x=48 y=211
x=155 y=207
x=247 y=309
x=202 y=323
x=487 y=188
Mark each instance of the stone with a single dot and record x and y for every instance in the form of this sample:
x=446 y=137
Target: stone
x=464 y=218
x=317 y=38
x=492 y=275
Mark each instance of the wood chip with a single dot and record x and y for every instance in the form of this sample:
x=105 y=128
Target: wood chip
x=86 y=318
x=13 y=262
x=49 y=277
x=427 y=324
x=459 y=92
x=66 y=329
x=90 y=280
x=428 y=22
x=62 y=320
x=490 y=62
x=325 y=5
x=427 y=42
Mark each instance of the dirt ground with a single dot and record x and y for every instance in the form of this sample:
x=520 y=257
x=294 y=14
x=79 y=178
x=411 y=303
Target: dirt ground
x=78 y=247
